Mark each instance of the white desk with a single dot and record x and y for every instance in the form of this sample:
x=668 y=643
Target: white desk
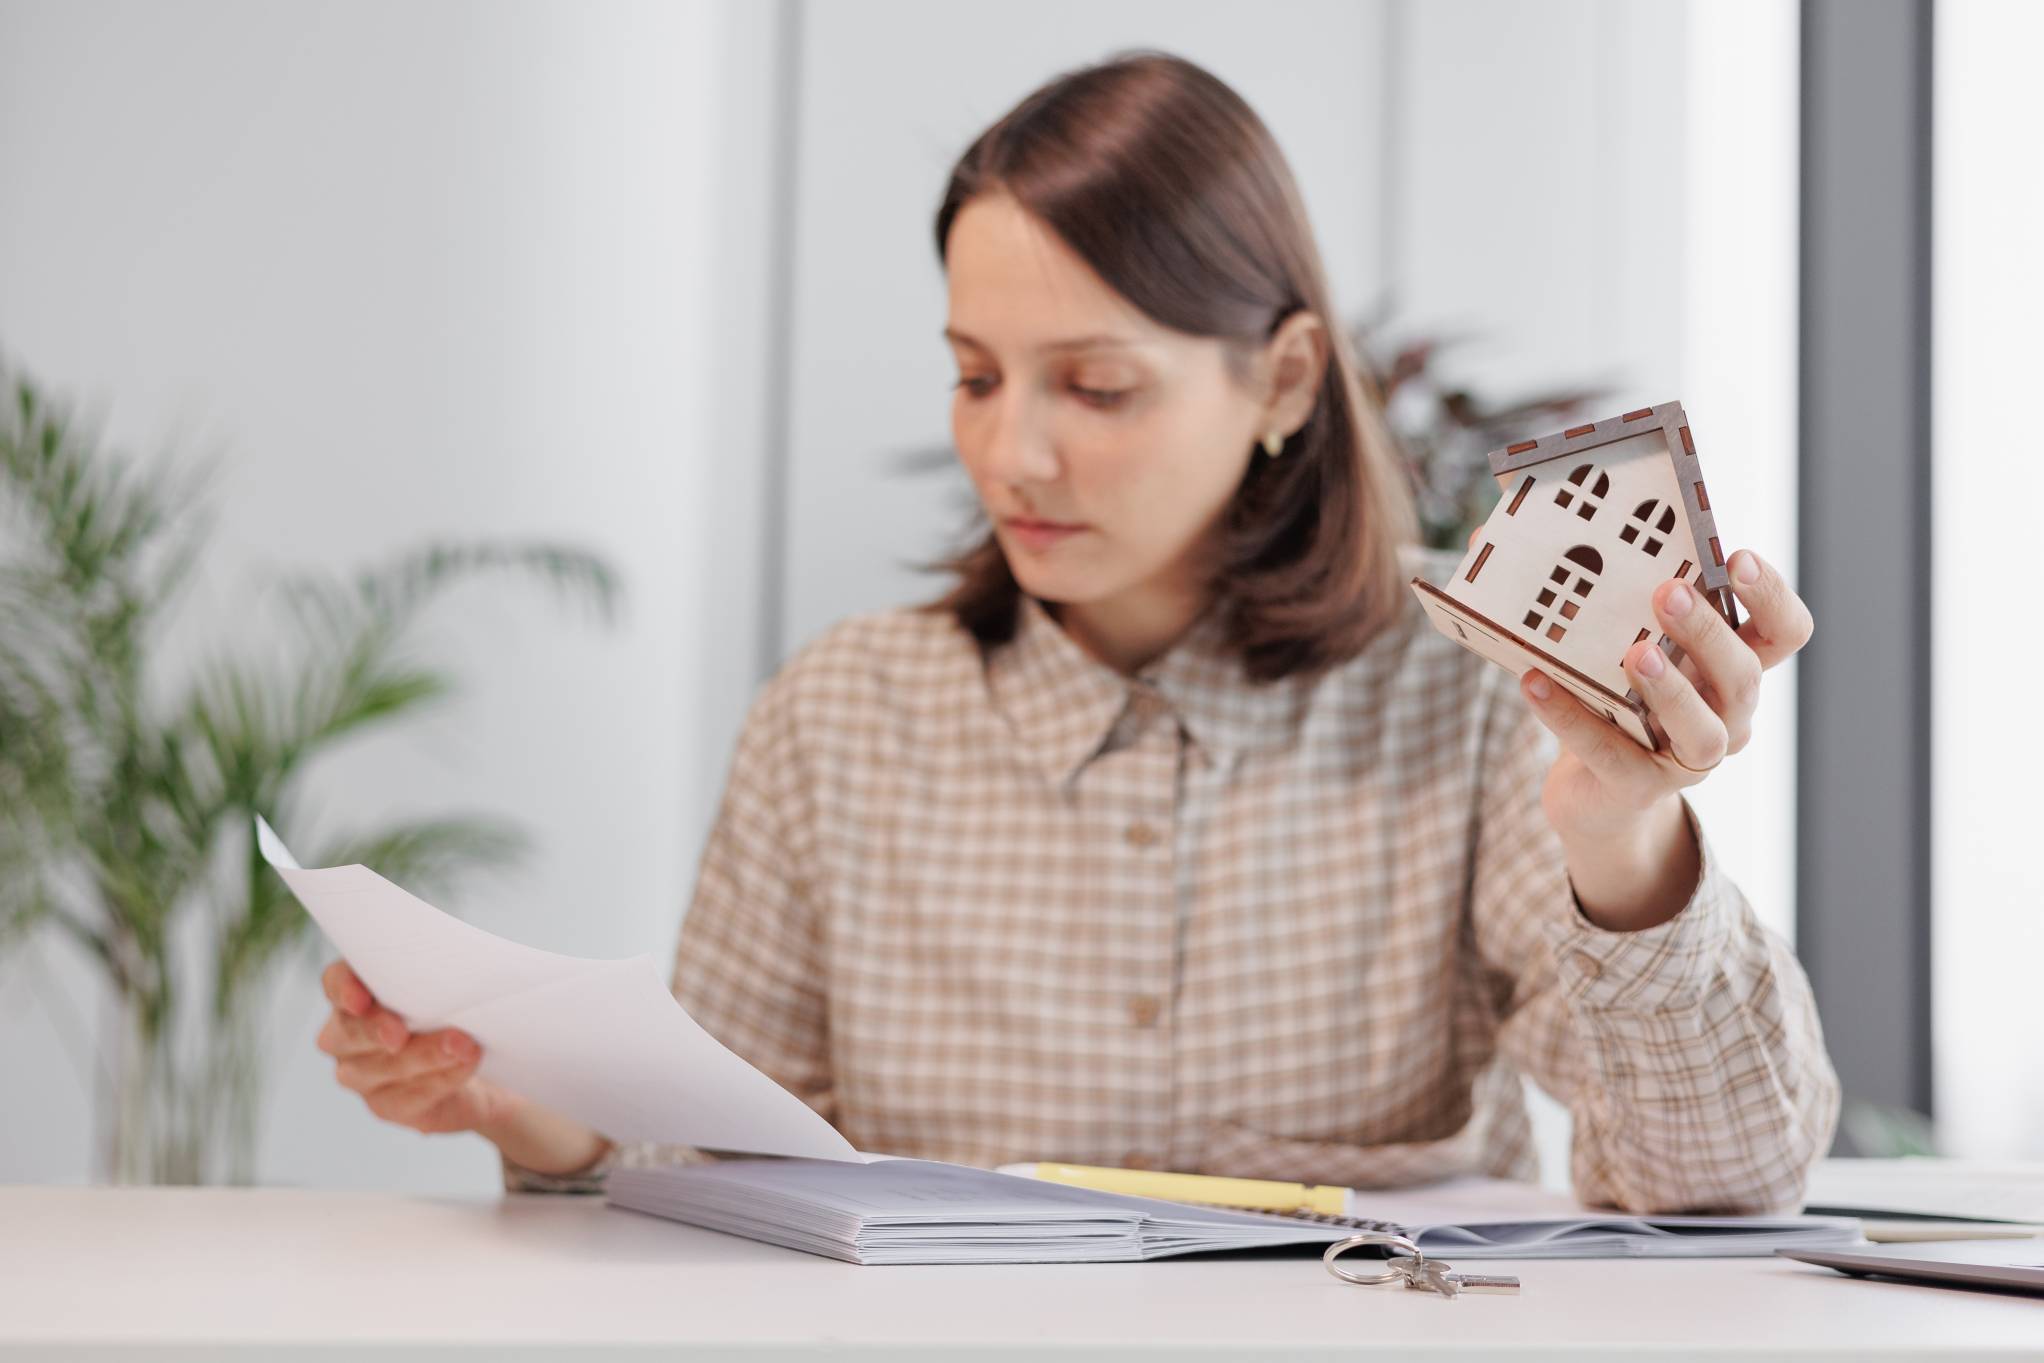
x=102 y=1273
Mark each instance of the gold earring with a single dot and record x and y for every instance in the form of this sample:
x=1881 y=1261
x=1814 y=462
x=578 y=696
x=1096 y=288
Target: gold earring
x=1273 y=444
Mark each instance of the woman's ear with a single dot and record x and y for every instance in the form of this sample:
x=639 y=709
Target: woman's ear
x=1296 y=359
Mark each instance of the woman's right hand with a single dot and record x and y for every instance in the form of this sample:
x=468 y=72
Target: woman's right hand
x=426 y=1081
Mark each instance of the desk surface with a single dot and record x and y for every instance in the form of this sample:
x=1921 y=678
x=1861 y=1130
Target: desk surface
x=174 y=1273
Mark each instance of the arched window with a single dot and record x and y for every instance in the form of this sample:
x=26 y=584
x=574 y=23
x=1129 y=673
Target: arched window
x=1585 y=498
x=1567 y=587
x=1645 y=530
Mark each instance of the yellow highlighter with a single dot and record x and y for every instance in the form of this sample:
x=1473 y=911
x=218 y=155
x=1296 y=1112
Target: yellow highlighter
x=1263 y=1194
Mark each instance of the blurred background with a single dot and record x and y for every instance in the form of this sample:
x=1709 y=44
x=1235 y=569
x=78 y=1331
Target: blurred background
x=641 y=299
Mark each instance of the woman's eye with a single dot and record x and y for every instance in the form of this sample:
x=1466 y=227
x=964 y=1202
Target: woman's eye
x=979 y=386
x=1101 y=397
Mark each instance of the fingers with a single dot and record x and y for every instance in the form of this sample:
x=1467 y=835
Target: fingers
x=429 y=1053
x=430 y=1102
x=379 y=1031
x=1617 y=762
x=357 y=1025
x=407 y=1079
x=1727 y=668
x=1696 y=733
x=1777 y=623
x=344 y=990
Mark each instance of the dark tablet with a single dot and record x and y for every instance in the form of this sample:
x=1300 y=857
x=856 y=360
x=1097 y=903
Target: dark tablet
x=2008 y=1264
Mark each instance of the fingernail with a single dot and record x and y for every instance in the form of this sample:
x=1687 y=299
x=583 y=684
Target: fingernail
x=1538 y=687
x=451 y=1045
x=1651 y=663
x=1746 y=566
x=1680 y=600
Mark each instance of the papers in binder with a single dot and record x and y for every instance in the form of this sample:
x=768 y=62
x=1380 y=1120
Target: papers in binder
x=923 y=1212
x=602 y=1041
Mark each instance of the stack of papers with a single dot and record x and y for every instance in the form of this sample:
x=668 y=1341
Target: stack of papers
x=1955 y=1189
x=1929 y=1198
x=904 y=1211
x=924 y=1212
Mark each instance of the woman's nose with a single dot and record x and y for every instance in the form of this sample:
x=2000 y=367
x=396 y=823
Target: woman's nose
x=1017 y=445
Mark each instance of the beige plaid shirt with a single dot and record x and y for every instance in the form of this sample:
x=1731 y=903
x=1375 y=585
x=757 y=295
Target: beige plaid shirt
x=1020 y=906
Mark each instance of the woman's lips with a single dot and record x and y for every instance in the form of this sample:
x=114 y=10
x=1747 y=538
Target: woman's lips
x=1040 y=535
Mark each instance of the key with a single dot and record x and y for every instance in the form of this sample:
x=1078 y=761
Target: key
x=1485 y=1282
x=1432 y=1275
x=1424 y=1275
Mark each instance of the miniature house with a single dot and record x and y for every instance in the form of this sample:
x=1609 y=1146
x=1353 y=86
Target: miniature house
x=1589 y=522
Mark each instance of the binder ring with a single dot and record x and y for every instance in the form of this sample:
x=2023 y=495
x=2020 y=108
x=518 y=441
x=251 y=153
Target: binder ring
x=1340 y=1247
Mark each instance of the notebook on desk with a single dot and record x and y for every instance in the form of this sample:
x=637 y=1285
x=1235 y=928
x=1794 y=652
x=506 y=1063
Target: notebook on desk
x=902 y=1211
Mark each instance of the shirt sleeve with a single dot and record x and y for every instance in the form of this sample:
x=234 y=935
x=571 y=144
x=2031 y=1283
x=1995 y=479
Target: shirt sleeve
x=749 y=964
x=1689 y=1053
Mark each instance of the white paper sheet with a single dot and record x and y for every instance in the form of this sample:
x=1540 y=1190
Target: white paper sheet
x=602 y=1041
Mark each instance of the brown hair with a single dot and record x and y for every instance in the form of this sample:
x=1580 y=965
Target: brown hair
x=1168 y=185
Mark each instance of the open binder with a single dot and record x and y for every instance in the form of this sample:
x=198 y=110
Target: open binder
x=906 y=1211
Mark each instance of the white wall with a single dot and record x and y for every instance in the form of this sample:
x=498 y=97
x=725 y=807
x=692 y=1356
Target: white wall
x=425 y=270
x=1987 y=949
x=1604 y=191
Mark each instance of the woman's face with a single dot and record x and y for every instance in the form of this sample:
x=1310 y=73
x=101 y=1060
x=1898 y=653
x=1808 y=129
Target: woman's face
x=1104 y=447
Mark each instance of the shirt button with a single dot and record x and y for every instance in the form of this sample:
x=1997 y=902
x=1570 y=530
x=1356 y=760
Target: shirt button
x=1141 y=834
x=1145 y=1009
x=1136 y=1159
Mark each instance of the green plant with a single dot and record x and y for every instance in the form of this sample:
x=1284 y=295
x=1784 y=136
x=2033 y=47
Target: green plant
x=1446 y=431
x=126 y=793
x=1877 y=1131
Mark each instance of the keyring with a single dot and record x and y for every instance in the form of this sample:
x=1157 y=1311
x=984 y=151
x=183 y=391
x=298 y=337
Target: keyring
x=1340 y=1247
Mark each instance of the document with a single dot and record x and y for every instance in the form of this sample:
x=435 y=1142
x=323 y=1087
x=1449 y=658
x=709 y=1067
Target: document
x=603 y=1041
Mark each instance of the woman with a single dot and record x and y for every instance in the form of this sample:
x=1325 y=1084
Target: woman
x=1173 y=837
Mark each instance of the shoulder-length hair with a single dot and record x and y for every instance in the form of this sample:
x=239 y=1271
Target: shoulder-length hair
x=1165 y=181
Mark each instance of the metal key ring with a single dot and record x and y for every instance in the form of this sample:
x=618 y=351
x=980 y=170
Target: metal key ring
x=1340 y=1247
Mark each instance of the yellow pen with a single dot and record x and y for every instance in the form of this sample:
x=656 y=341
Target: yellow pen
x=1264 y=1194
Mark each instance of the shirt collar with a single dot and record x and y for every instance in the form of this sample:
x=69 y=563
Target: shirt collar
x=1063 y=703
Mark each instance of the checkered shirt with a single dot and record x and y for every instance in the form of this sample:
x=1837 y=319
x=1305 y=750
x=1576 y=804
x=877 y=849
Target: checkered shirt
x=992 y=907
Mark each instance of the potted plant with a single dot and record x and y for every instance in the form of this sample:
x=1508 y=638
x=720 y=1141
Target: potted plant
x=126 y=791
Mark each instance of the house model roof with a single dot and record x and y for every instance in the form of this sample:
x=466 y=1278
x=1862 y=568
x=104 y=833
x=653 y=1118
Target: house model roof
x=1589 y=522
x=1674 y=425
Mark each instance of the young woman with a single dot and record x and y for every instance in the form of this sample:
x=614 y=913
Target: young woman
x=1173 y=836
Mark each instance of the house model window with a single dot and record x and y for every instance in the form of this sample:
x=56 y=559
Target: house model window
x=1588 y=523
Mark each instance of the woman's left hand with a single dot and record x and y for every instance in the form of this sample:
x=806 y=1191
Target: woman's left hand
x=1617 y=807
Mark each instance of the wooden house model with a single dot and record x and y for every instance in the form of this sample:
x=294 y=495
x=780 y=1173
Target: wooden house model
x=1589 y=522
